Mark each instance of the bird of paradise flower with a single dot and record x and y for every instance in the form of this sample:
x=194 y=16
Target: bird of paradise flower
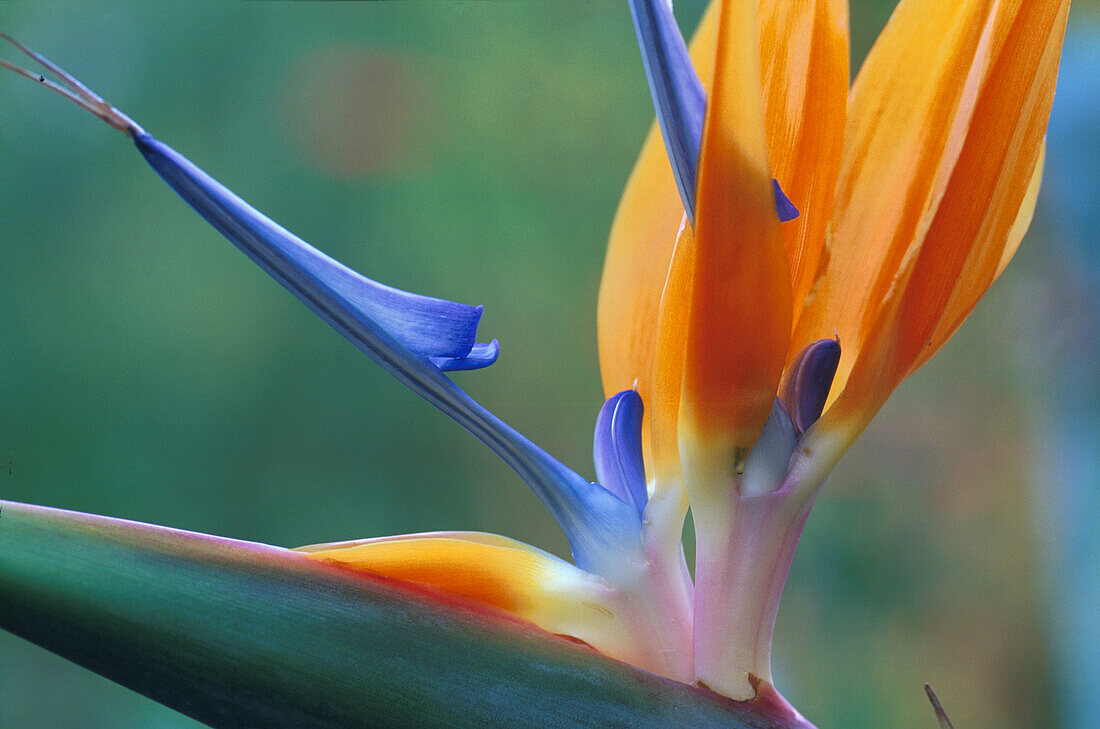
x=775 y=218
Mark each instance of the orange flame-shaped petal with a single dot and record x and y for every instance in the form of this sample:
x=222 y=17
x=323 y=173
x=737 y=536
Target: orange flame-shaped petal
x=739 y=327
x=972 y=151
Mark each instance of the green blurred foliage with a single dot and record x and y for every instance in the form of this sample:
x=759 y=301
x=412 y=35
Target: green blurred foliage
x=474 y=151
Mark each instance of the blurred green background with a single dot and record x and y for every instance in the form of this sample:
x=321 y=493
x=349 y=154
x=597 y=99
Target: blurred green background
x=476 y=151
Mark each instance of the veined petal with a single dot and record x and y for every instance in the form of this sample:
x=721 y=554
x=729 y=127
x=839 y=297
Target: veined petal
x=807 y=382
x=985 y=206
x=679 y=99
x=353 y=304
x=678 y=95
x=908 y=115
x=668 y=362
x=385 y=324
x=617 y=448
x=639 y=254
x=412 y=337
x=740 y=319
x=804 y=59
x=503 y=573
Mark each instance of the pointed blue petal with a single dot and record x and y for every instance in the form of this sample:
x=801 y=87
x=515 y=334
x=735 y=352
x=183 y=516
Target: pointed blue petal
x=783 y=206
x=679 y=98
x=617 y=448
x=806 y=384
x=350 y=302
x=766 y=466
x=678 y=95
x=413 y=338
x=481 y=355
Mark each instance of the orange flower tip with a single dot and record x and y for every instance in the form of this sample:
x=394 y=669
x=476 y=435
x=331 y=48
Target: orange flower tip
x=807 y=381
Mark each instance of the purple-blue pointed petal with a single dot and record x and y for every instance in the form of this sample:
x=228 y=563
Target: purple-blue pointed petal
x=679 y=98
x=413 y=338
x=783 y=205
x=677 y=93
x=429 y=327
x=806 y=384
x=481 y=355
x=617 y=448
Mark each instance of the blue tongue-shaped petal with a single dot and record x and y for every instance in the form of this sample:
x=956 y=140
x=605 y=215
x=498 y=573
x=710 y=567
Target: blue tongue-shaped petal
x=679 y=98
x=440 y=330
x=414 y=338
x=617 y=449
x=807 y=381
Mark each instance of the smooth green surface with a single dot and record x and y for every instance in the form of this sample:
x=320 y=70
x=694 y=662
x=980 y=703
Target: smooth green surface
x=240 y=635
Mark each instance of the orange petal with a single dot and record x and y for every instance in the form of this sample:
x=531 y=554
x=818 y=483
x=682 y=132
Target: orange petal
x=500 y=572
x=974 y=284
x=971 y=287
x=668 y=362
x=908 y=114
x=740 y=320
x=639 y=253
x=804 y=59
x=986 y=203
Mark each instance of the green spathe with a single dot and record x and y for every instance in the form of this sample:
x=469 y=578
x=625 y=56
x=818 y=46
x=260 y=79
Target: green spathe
x=237 y=634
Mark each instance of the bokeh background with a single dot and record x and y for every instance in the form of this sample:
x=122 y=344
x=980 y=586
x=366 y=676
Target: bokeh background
x=476 y=151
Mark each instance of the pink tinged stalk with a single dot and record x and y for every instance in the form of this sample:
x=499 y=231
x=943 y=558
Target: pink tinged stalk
x=747 y=533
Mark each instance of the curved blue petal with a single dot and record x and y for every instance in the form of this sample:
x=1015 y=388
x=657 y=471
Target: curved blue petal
x=679 y=98
x=350 y=302
x=413 y=338
x=783 y=205
x=806 y=385
x=481 y=355
x=678 y=95
x=617 y=449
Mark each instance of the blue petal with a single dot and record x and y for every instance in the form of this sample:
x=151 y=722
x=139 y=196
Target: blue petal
x=806 y=385
x=766 y=466
x=349 y=301
x=678 y=95
x=481 y=355
x=413 y=338
x=679 y=98
x=783 y=206
x=617 y=449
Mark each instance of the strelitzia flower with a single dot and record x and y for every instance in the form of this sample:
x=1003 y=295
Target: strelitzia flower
x=774 y=217
x=915 y=188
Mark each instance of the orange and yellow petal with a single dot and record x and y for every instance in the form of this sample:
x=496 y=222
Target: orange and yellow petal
x=739 y=326
x=804 y=61
x=502 y=573
x=908 y=113
x=977 y=216
x=668 y=362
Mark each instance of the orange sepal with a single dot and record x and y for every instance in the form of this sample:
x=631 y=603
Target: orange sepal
x=980 y=217
x=908 y=115
x=508 y=575
x=804 y=60
x=740 y=319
